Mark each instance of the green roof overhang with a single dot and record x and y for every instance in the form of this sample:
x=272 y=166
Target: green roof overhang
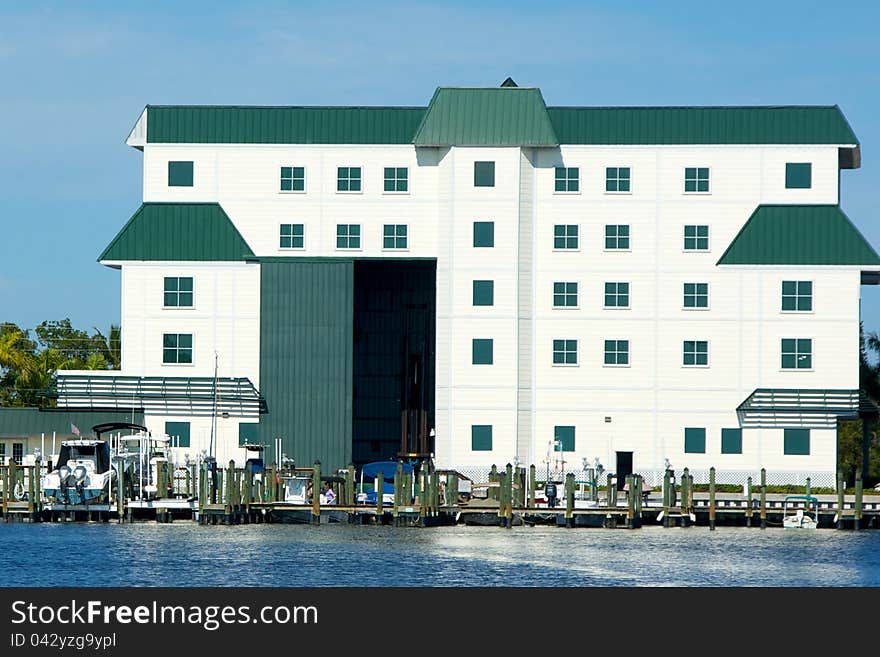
x=779 y=407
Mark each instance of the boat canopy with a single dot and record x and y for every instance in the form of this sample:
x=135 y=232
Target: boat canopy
x=387 y=468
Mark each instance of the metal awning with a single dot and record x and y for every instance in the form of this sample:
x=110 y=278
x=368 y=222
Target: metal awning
x=781 y=407
x=197 y=396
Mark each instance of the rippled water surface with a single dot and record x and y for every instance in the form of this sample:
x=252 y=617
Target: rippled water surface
x=185 y=554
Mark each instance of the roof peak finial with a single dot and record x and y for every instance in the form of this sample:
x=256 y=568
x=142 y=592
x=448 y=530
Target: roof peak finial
x=509 y=83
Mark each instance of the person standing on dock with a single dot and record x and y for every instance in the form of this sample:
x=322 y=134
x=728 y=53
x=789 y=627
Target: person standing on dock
x=327 y=494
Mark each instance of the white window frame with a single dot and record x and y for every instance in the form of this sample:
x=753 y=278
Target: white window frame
x=628 y=353
x=577 y=352
x=628 y=306
x=577 y=306
x=579 y=181
x=708 y=295
x=684 y=181
x=348 y=248
x=285 y=249
x=395 y=193
x=305 y=179
x=617 y=250
x=395 y=249
x=605 y=178
x=565 y=250
x=174 y=308
x=708 y=237
x=696 y=366
x=336 y=178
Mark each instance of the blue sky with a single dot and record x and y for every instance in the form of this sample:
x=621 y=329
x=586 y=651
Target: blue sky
x=75 y=76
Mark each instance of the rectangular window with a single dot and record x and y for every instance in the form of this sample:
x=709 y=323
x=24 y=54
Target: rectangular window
x=394 y=236
x=293 y=179
x=797 y=296
x=567 y=179
x=484 y=234
x=696 y=295
x=565 y=352
x=696 y=353
x=617 y=237
x=563 y=438
x=797 y=354
x=178 y=292
x=565 y=236
x=617 y=295
x=617 y=352
x=348 y=179
x=248 y=433
x=696 y=180
x=2 y=453
x=179 y=433
x=177 y=348
x=481 y=437
x=348 y=236
x=731 y=441
x=796 y=442
x=565 y=295
x=484 y=174
x=617 y=179
x=396 y=179
x=481 y=351
x=484 y=293
x=180 y=174
x=695 y=440
x=798 y=175
x=292 y=236
x=696 y=238
x=18 y=453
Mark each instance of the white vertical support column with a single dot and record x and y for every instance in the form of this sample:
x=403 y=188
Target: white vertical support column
x=525 y=304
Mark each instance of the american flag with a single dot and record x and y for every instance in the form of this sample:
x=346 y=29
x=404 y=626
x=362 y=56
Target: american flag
x=74 y=429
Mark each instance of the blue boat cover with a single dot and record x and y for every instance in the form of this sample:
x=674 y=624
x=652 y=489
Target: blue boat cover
x=388 y=468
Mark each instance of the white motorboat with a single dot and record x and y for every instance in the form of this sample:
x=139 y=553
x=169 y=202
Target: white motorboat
x=800 y=512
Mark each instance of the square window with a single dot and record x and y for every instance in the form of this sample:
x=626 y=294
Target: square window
x=177 y=348
x=796 y=442
x=484 y=174
x=293 y=179
x=617 y=179
x=348 y=236
x=617 y=295
x=797 y=296
x=565 y=236
x=178 y=292
x=798 y=175
x=617 y=352
x=696 y=295
x=348 y=179
x=731 y=441
x=481 y=437
x=396 y=179
x=567 y=179
x=565 y=295
x=797 y=353
x=484 y=233
x=481 y=351
x=616 y=237
x=696 y=180
x=484 y=293
x=565 y=352
x=178 y=432
x=696 y=238
x=695 y=440
x=292 y=236
x=563 y=438
x=394 y=236
x=180 y=174
x=696 y=353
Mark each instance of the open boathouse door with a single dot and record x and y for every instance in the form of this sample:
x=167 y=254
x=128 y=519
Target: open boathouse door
x=624 y=467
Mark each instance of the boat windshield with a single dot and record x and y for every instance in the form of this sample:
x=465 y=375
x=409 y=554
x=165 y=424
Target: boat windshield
x=99 y=454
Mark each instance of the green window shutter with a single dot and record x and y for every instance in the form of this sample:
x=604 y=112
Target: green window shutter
x=179 y=432
x=484 y=293
x=484 y=233
x=248 y=433
x=695 y=440
x=180 y=174
x=731 y=441
x=481 y=351
x=481 y=437
x=796 y=442
x=484 y=174
x=798 y=175
x=563 y=437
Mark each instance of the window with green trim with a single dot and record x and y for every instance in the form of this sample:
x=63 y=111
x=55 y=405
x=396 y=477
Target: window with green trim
x=616 y=237
x=484 y=293
x=696 y=295
x=484 y=174
x=178 y=432
x=565 y=352
x=481 y=437
x=394 y=236
x=617 y=295
x=798 y=175
x=567 y=179
x=797 y=296
x=565 y=236
x=696 y=238
x=695 y=440
x=292 y=236
x=481 y=351
x=696 y=180
x=18 y=453
x=178 y=292
x=348 y=179
x=617 y=352
x=696 y=353
x=797 y=353
x=248 y=433
x=293 y=179
x=565 y=295
x=396 y=179
x=484 y=234
x=180 y=174
x=796 y=442
x=177 y=348
x=348 y=236
x=731 y=441
x=563 y=438
x=617 y=179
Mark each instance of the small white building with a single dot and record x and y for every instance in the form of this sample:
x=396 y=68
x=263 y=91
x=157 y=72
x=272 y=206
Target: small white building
x=493 y=280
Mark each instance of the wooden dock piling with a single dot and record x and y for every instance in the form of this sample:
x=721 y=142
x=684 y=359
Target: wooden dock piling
x=316 y=492
x=712 y=498
x=841 y=490
x=749 y=502
x=668 y=492
x=857 y=511
x=380 y=491
x=763 y=498
x=531 y=486
x=569 y=499
x=685 y=497
x=630 y=502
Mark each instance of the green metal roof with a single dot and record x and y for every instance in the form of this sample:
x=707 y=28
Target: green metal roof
x=799 y=235
x=22 y=422
x=178 y=231
x=503 y=116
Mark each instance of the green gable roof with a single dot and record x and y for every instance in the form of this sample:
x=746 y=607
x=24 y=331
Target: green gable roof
x=799 y=235
x=178 y=231
x=503 y=116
